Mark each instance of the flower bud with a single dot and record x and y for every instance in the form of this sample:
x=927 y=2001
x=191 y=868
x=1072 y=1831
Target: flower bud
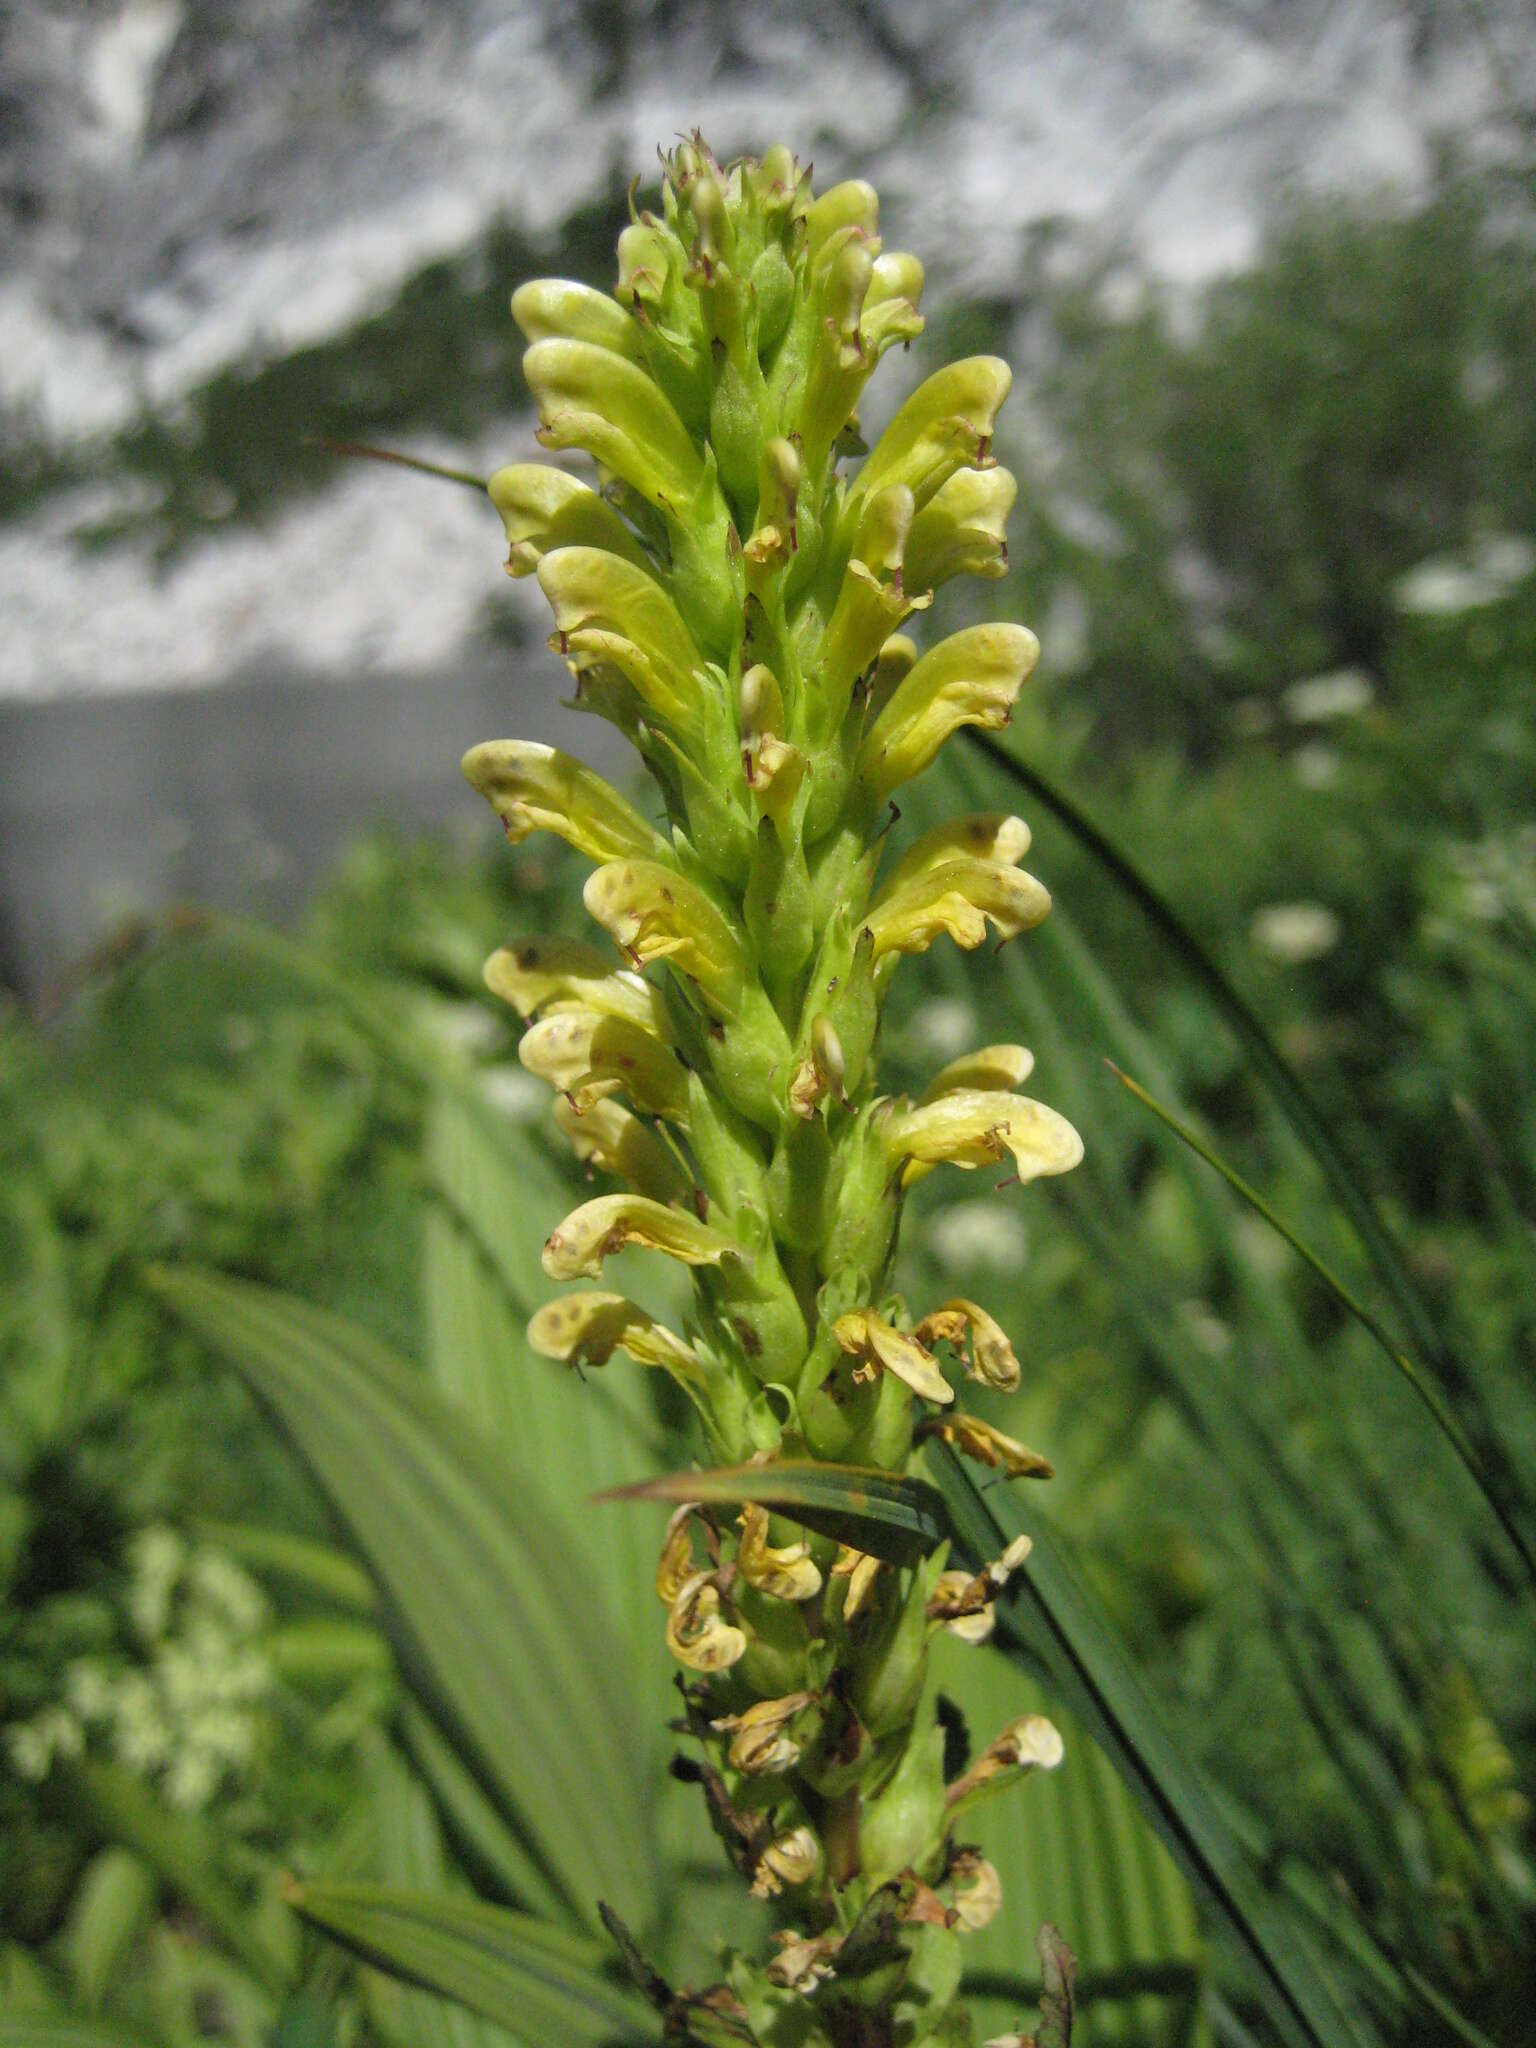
x=548 y=308
x=852 y=204
x=646 y=256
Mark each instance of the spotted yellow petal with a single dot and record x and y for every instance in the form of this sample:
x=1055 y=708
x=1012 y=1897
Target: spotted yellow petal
x=548 y=974
x=972 y=678
x=587 y=1328
x=656 y=914
x=611 y=1138
x=534 y=788
x=544 y=508
x=587 y=1056
x=609 y=613
x=975 y=835
x=575 y=1250
x=960 y=897
x=972 y=1127
x=698 y=1634
x=761 y=1745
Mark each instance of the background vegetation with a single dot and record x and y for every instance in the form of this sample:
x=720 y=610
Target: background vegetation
x=1277 y=550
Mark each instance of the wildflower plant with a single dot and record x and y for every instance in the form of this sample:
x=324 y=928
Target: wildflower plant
x=732 y=595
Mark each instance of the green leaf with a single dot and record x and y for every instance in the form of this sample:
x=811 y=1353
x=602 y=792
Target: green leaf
x=43 y=2030
x=523 y=1974
x=481 y=1600
x=1442 y=1418
x=184 y=1852
x=1050 y=1616
x=892 y=1517
x=317 y=1568
x=113 y=1901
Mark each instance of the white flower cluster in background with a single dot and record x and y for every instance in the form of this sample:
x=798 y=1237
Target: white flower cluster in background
x=1490 y=881
x=184 y=1706
x=1294 y=933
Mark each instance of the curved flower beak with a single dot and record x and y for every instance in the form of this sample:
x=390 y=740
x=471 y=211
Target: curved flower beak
x=587 y=1056
x=977 y=1337
x=960 y=531
x=977 y=835
x=1030 y=1743
x=550 y=308
x=568 y=974
x=946 y=425
x=609 y=613
x=973 y=1438
x=787 y=1573
x=959 y=897
x=586 y=1328
x=576 y=1248
x=534 y=788
x=972 y=678
x=883 y=1348
x=590 y=398
x=612 y=1139
x=994 y=1068
x=543 y=508
x=654 y=913
x=972 y=1127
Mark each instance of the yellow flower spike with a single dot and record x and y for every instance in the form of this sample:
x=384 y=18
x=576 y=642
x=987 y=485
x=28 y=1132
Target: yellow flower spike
x=821 y=1072
x=972 y=1127
x=697 y=1633
x=960 y=897
x=973 y=1438
x=960 y=531
x=760 y=1746
x=576 y=1248
x=588 y=1056
x=972 y=678
x=553 y=308
x=656 y=914
x=979 y=1339
x=787 y=1573
x=544 y=508
x=535 y=788
x=946 y=425
x=978 y=1891
x=608 y=613
x=792 y=1858
x=989 y=1067
x=860 y=1570
x=612 y=1139
x=587 y=1328
x=675 y=1566
x=1030 y=1743
x=976 y=835
x=881 y=1346
x=590 y=398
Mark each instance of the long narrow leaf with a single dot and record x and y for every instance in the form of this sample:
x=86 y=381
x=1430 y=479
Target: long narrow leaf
x=517 y=1971
x=883 y=1513
x=1051 y=1615
x=1280 y=1077
x=479 y=1592
x=1443 y=1420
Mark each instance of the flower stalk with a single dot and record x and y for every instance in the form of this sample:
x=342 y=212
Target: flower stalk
x=733 y=599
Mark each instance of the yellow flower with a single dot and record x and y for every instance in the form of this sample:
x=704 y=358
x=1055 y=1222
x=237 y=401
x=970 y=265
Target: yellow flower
x=760 y=1744
x=577 y=1247
x=881 y=1346
x=590 y=398
x=587 y=1056
x=609 y=613
x=534 y=788
x=991 y=1068
x=784 y=1574
x=960 y=531
x=979 y=1339
x=543 y=509
x=567 y=974
x=656 y=914
x=587 y=1328
x=698 y=1635
x=612 y=1138
x=972 y=1127
x=959 y=897
x=972 y=678
x=946 y=425
x=976 y=1439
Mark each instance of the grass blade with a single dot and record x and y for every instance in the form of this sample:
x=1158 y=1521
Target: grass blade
x=1286 y=1086
x=891 y=1517
x=1444 y=1421
x=539 y=1982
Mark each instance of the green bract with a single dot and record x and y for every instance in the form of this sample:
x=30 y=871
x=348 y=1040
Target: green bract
x=733 y=600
